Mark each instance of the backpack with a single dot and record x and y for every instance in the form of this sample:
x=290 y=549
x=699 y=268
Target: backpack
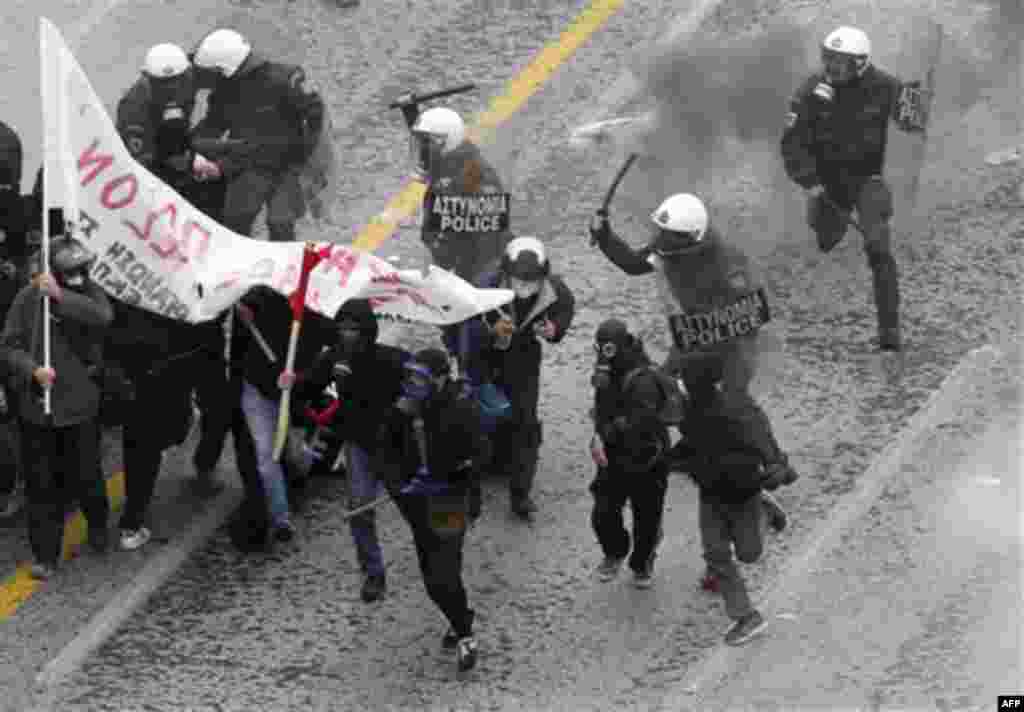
x=673 y=396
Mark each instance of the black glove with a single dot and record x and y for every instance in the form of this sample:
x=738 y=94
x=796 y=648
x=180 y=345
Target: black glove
x=410 y=109
x=777 y=474
x=600 y=228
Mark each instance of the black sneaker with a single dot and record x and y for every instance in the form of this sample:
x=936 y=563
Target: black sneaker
x=777 y=518
x=373 y=588
x=284 y=533
x=465 y=653
x=451 y=638
x=745 y=629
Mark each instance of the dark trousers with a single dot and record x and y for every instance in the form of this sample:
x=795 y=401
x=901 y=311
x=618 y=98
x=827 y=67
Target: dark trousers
x=725 y=526
x=280 y=191
x=9 y=460
x=645 y=493
x=517 y=439
x=60 y=468
x=440 y=559
x=872 y=200
x=218 y=398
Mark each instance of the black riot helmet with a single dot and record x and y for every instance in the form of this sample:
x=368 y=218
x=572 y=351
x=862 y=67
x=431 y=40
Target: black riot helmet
x=612 y=344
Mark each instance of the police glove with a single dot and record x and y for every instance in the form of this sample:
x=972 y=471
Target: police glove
x=600 y=228
x=777 y=474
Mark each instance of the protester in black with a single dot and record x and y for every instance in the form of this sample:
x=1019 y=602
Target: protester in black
x=434 y=428
x=59 y=449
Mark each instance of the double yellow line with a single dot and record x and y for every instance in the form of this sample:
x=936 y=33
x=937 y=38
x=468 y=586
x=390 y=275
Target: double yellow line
x=19 y=588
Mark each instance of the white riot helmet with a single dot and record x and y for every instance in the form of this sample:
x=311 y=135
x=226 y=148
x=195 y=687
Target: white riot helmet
x=845 y=54
x=436 y=132
x=164 y=61
x=681 y=222
x=222 y=51
x=525 y=262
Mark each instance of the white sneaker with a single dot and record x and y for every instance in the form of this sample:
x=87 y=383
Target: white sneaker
x=132 y=539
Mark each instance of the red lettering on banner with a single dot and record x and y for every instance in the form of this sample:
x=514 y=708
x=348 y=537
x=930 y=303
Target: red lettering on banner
x=109 y=188
x=88 y=157
x=344 y=261
x=203 y=236
x=389 y=278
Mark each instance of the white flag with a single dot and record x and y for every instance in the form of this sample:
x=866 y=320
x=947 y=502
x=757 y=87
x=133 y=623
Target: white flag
x=156 y=251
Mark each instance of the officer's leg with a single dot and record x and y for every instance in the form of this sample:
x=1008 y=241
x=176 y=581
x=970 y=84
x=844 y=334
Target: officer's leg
x=827 y=222
x=716 y=539
x=875 y=210
x=244 y=198
x=285 y=207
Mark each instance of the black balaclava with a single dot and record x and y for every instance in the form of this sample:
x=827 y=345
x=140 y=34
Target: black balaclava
x=70 y=263
x=355 y=336
x=616 y=352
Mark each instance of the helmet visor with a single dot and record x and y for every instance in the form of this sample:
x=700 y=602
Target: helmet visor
x=673 y=243
x=424 y=151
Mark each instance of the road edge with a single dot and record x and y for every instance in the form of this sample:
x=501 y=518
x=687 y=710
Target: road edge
x=127 y=601
x=699 y=686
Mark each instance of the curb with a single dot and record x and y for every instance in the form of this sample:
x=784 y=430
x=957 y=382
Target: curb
x=706 y=676
x=106 y=622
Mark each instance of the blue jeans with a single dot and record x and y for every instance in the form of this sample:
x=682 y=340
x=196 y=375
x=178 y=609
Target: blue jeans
x=261 y=415
x=364 y=487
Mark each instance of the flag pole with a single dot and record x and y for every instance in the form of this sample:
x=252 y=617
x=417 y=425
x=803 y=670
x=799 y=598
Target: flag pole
x=310 y=258
x=46 y=95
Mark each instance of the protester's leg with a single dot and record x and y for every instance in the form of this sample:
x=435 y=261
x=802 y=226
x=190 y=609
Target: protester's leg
x=85 y=480
x=285 y=207
x=45 y=505
x=217 y=403
x=875 y=208
x=364 y=487
x=261 y=416
x=440 y=559
x=747 y=529
x=142 y=459
x=647 y=501
x=826 y=220
x=606 y=516
x=715 y=533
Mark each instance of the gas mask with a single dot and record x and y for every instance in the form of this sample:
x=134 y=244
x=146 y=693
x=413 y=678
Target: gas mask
x=173 y=95
x=418 y=386
x=606 y=353
x=524 y=289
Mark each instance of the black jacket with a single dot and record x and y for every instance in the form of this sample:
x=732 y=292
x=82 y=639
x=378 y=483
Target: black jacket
x=366 y=397
x=456 y=444
x=726 y=460
x=150 y=140
x=832 y=141
x=274 y=322
x=627 y=420
x=267 y=105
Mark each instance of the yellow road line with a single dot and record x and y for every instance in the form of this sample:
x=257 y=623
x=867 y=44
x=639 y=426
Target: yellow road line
x=18 y=588
x=518 y=90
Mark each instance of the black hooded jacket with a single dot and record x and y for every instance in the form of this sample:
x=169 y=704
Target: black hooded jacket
x=626 y=415
x=366 y=396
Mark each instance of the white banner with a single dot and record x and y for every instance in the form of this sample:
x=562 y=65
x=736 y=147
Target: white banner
x=155 y=250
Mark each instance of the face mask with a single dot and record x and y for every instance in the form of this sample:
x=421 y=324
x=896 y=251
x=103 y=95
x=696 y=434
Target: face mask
x=74 y=280
x=523 y=289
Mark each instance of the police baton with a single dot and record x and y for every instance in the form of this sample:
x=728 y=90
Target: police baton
x=420 y=98
x=610 y=194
